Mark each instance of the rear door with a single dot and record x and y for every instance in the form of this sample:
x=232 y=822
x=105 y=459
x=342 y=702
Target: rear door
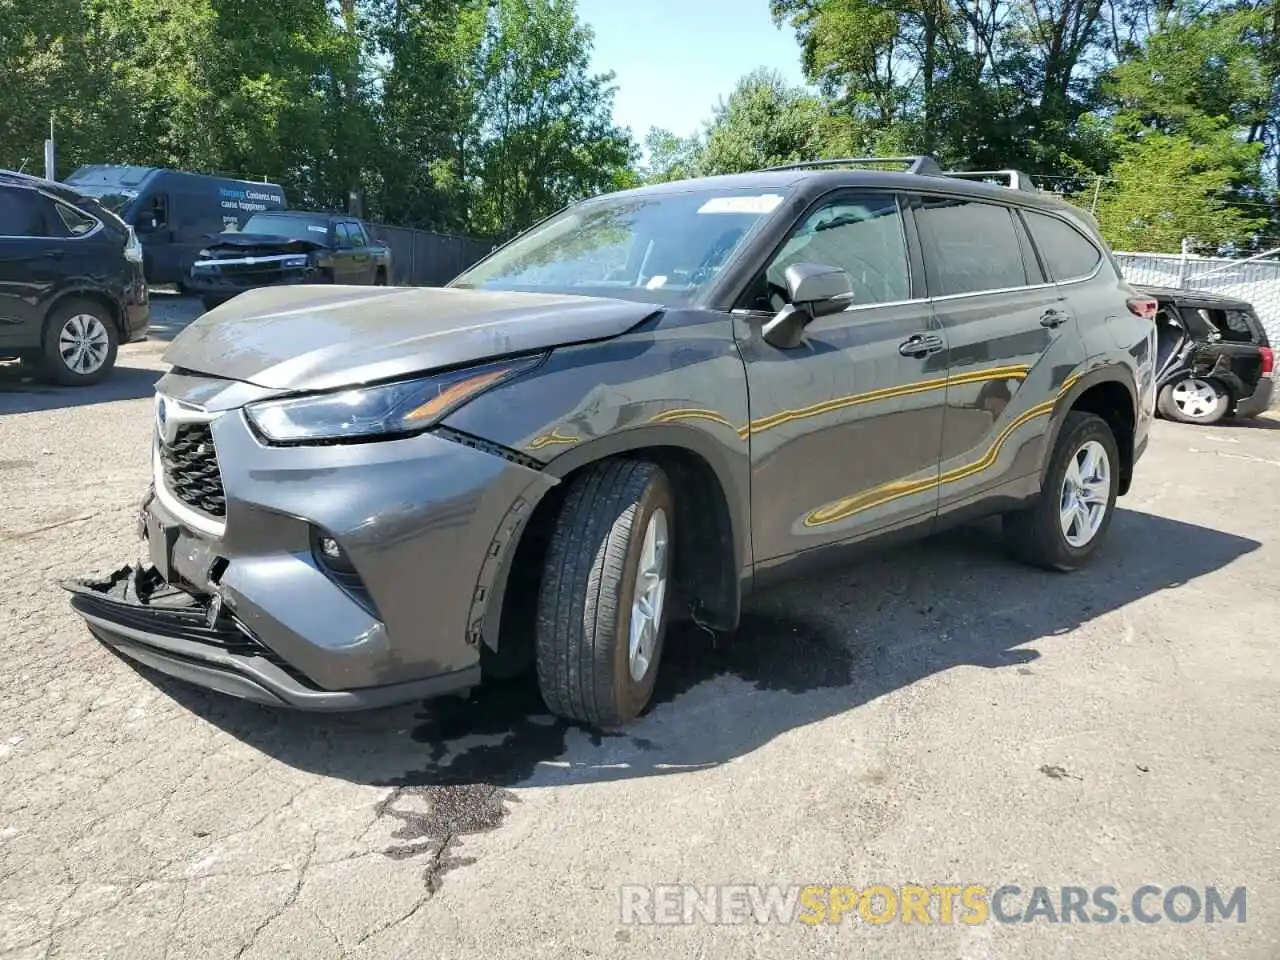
x=35 y=259
x=1010 y=334
x=845 y=429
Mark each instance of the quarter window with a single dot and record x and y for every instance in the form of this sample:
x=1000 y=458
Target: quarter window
x=862 y=235
x=969 y=246
x=77 y=223
x=1066 y=252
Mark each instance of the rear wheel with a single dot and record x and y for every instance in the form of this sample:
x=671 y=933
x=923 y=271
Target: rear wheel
x=80 y=343
x=1192 y=400
x=1066 y=524
x=602 y=605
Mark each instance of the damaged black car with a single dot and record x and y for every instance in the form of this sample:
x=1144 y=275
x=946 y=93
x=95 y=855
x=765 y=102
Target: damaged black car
x=1213 y=356
x=289 y=247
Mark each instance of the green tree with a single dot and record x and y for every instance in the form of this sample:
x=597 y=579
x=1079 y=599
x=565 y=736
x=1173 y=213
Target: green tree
x=671 y=157
x=544 y=130
x=763 y=123
x=1167 y=187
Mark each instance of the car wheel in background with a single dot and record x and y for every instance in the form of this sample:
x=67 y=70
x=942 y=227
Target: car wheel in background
x=1069 y=519
x=1192 y=400
x=80 y=343
x=602 y=605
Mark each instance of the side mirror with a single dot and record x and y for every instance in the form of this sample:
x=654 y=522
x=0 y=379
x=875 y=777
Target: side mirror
x=815 y=290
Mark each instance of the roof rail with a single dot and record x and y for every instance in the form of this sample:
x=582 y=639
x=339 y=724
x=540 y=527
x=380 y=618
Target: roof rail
x=1014 y=179
x=919 y=164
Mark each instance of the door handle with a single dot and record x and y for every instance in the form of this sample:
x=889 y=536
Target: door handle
x=920 y=345
x=1053 y=317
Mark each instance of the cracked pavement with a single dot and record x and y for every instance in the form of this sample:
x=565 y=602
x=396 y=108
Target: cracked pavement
x=941 y=715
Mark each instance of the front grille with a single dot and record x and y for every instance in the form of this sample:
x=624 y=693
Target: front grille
x=191 y=472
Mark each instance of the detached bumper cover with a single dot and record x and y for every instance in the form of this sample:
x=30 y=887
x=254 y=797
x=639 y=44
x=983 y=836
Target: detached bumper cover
x=1260 y=402
x=137 y=614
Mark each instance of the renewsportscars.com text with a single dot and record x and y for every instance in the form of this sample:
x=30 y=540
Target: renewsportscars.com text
x=944 y=904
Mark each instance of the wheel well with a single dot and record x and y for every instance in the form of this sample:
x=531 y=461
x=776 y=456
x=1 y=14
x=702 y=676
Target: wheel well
x=91 y=296
x=705 y=575
x=1113 y=402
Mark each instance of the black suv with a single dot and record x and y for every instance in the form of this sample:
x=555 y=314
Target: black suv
x=71 y=283
x=640 y=409
x=1212 y=356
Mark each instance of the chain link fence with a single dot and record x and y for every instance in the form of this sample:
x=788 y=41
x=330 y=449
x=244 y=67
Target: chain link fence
x=421 y=258
x=1255 y=281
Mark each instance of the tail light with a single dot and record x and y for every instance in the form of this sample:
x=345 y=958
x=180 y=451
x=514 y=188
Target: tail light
x=1268 y=360
x=1144 y=307
x=132 y=248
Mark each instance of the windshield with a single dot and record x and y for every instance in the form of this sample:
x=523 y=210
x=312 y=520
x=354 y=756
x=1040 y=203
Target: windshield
x=314 y=229
x=661 y=247
x=114 y=199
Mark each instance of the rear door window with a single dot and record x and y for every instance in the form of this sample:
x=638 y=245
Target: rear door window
x=25 y=213
x=969 y=246
x=1067 y=253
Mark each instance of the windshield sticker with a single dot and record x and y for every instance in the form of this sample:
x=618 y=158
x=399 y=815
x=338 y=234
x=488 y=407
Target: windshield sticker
x=314 y=229
x=765 y=203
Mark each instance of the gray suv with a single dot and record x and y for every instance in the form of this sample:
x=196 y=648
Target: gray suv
x=641 y=409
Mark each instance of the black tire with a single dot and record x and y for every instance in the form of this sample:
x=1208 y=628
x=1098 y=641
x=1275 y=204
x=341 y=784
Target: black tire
x=583 y=623
x=380 y=278
x=1035 y=535
x=210 y=302
x=1168 y=404
x=88 y=315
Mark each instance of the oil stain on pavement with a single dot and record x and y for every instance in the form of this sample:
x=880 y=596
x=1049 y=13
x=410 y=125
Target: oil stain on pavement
x=502 y=734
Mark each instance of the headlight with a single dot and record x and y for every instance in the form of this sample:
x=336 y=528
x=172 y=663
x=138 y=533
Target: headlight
x=385 y=410
x=295 y=261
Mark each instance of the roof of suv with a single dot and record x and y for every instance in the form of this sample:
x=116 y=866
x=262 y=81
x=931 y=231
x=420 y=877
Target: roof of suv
x=14 y=178
x=819 y=180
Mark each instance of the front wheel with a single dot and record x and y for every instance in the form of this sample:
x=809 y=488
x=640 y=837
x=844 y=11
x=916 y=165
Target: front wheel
x=1071 y=515
x=1194 y=401
x=602 y=604
x=80 y=343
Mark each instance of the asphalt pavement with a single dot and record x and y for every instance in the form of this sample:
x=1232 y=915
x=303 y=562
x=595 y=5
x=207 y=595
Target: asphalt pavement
x=941 y=717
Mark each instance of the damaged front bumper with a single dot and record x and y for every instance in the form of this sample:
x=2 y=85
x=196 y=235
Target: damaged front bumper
x=138 y=614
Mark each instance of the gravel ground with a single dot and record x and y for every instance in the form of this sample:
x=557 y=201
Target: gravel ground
x=942 y=716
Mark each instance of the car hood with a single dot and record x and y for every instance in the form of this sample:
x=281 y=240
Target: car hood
x=325 y=337
x=261 y=242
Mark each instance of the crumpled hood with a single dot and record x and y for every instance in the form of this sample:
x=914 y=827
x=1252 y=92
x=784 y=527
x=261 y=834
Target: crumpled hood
x=323 y=337
x=261 y=242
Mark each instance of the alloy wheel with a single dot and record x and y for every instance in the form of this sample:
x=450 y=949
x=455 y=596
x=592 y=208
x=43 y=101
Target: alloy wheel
x=649 y=596
x=83 y=344
x=1195 y=398
x=1086 y=494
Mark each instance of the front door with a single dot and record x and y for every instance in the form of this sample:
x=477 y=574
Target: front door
x=347 y=267
x=845 y=429
x=1011 y=340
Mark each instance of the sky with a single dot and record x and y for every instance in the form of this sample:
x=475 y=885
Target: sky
x=675 y=59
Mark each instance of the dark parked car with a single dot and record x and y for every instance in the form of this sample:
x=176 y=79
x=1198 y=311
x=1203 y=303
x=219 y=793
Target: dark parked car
x=1213 y=357
x=174 y=212
x=641 y=409
x=289 y=247
x=71 y=284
